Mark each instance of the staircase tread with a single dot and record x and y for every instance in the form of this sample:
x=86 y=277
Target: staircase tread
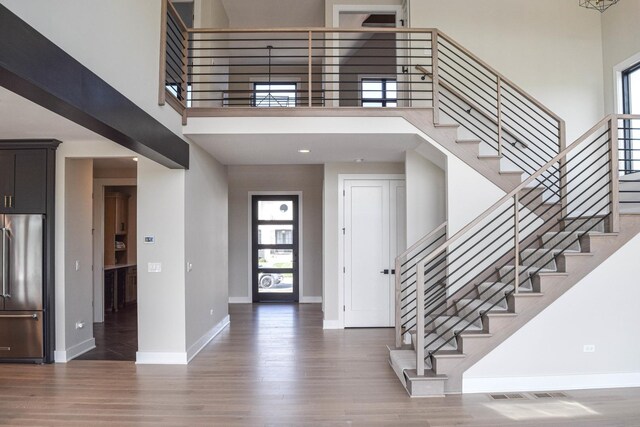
x=468 y=141
x=511 y=172
x=490 y=156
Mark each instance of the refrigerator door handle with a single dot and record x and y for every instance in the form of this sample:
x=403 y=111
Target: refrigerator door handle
x=19 y=316
x=5 y=262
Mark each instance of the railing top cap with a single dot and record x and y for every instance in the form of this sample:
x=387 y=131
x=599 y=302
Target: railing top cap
x=312 y=29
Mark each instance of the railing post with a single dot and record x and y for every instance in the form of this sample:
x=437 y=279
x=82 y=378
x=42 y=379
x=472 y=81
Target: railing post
x=398 y=279
x=562 y=167
x=516 y=242
x=434 y=75
x=163 y=54
x=310 y=77
x=185 y=74
x=614 y=187
x=499 y=114
x=420 y=318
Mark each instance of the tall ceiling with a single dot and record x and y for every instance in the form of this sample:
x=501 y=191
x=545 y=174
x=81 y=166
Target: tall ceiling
x=274 y=13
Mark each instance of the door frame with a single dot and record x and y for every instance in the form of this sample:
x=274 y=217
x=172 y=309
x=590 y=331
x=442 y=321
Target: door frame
x=341 y=224
x=250 y=195
x=98 y=239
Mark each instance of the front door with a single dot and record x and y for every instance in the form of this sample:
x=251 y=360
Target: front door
x=275 y=248
x=373 y=236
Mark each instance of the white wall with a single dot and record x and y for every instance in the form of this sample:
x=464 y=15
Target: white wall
x=119 y=40
x=206 y=226
x=426 y=196
x=161 y=296
x=547 y=353
x=621 y=45
x=209 y=14
x=78 y=286
x=331 y=232
x=278 y=178
x=551 y=48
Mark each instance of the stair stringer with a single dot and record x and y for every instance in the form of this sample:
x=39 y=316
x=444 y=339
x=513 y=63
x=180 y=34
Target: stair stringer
x=499 y=327
x=446 y=135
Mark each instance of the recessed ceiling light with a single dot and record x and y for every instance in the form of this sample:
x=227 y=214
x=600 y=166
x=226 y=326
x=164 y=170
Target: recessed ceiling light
x=135 y=159
x=359 y=160
x=304 y=150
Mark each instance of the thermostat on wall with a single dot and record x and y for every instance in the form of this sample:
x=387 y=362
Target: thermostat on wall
x=149 y=239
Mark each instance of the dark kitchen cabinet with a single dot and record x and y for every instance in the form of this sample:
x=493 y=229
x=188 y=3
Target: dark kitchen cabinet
x=27 y=186
x=23 y=181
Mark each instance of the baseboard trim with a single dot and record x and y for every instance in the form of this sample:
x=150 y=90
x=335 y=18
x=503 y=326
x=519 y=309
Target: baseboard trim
x=332 y=324
x=310 y=300
x=240 y=300
x=551 y=383
x=72 y=352
x=161 y=358
x=206 y=338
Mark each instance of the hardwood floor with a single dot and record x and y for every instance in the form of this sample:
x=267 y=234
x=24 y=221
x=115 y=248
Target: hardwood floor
x=117 y=337
x=275 y=366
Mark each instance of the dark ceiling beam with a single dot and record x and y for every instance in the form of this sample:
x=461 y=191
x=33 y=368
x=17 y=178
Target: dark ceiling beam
x=35 y=68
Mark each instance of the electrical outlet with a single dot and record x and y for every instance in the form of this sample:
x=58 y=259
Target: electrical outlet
x=77 y=265
x=589 y=348
x=189 y=267
x=154 y=267
x=211 y=312
x=79 y=325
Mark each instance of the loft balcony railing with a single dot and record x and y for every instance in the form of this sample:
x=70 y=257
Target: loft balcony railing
x=206 y=70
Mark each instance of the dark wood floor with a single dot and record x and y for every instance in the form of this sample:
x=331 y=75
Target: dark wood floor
x=117 y=337
x=275 y=366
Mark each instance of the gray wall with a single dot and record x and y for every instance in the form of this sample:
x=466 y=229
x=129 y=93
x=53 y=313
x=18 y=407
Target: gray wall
x=305 y=178
x=206 y=286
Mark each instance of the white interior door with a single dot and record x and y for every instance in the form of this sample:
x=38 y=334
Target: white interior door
x=371 y=221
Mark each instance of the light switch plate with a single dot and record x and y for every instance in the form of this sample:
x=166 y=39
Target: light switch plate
x=149 y=240
x=155 y=267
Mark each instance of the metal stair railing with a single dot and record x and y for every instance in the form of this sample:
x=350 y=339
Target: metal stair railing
x=491 y=249
x=405 y=278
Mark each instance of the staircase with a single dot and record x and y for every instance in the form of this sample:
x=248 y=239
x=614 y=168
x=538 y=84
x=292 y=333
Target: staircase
x=458 y=298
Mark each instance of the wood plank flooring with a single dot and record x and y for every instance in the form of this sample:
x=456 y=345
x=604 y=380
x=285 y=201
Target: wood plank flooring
x=275 y=366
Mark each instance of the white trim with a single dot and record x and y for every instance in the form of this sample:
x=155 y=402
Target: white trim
x=74 y=351
x=617 y=81
x=365 y=8
x=161 y=358
x=310 y=300
x=240 y=300
x=332 y=324
x=206 y=338
x=98 y=239
x=551 y=383
x=341 y=265
x=300 y=238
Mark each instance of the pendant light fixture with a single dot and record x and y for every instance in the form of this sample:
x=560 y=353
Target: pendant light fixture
x=600 y=5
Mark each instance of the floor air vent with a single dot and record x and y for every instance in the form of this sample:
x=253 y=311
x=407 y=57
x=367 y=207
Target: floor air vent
x=507 y=396
x=549 y=395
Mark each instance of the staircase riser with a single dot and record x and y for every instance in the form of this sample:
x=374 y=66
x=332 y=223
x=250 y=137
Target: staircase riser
x=546 y=283
x=525 y=281
x=443 y=364
x=521 y=303
x=539 y=259
x=558 y=243
x=571 y=263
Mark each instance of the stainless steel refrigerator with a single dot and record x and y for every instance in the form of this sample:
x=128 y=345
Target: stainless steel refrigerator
x=21 y=284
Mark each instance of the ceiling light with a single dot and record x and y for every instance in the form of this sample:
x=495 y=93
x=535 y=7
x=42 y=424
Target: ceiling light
x=304 y=150
x=135 y=159
x=600 y=5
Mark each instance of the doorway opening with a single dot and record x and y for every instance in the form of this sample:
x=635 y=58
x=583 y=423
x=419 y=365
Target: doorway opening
x=275 y=248
x=115 y=273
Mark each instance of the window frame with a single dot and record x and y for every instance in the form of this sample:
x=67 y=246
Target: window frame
x=626 y=109
x=270 y=92
x=384 y=99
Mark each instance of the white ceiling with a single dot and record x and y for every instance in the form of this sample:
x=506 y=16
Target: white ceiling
x=23 y=119
x=274 y=13
x=277 y=149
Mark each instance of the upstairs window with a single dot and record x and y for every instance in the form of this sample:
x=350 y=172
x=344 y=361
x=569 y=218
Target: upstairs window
x=274 y=94
x=379 y=93
x=631 y=105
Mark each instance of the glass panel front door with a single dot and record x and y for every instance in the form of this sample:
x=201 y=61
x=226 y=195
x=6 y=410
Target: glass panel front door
x=275 y=248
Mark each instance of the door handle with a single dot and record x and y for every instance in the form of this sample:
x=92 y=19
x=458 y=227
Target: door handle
x=19 y=316
x=385 y=271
